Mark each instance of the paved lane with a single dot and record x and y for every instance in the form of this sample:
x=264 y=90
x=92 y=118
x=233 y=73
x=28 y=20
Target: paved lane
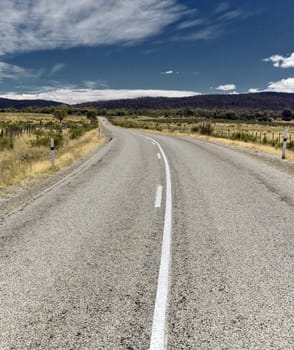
x=232 y=273
x=79 y=265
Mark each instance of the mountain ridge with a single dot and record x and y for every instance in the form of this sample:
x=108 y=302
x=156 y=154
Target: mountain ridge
x=259 y=101
x=19 y=104
x=253 y=101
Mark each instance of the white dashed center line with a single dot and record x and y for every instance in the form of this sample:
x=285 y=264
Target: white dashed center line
x=158 y=197
x=158 y=335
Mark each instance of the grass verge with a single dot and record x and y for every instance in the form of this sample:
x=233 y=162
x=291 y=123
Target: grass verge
x=26 y=162
x=252 y=146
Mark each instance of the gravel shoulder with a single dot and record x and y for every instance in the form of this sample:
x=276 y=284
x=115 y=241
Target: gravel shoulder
x=283 y=165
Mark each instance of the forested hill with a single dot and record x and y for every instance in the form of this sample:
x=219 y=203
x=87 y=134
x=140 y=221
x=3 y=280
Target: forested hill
x=18 y=104
x=260 y=101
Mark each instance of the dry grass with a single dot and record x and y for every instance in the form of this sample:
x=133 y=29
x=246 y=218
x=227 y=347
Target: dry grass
x=15 y=117
x=255 y=127
x=267 y=135
x=25 y=162
x=253 y=146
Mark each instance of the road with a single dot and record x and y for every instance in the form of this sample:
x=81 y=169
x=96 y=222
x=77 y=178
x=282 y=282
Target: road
x=80 y=264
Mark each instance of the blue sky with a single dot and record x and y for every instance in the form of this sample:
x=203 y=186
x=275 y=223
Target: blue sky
x=75 y=51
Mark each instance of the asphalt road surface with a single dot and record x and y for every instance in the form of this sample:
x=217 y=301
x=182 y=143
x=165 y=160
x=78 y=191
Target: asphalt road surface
x=82 y=266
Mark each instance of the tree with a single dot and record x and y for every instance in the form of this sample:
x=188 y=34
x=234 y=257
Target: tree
x=287 y=114
x=60 y=114
x=92 y=116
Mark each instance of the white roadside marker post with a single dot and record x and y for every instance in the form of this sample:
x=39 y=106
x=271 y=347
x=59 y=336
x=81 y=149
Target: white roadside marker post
x=98 y=125
x=285 y=143
x=52 y=152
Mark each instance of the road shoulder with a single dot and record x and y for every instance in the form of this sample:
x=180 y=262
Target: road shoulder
x=16 y=197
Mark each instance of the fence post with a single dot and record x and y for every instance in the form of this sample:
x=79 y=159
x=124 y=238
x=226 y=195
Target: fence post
x=285 y=143
x=52 y=152
x=11 y=136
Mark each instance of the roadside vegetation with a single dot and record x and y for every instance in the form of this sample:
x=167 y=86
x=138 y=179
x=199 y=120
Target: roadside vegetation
x=25 y=133
x=25 y=142
x=266 y=136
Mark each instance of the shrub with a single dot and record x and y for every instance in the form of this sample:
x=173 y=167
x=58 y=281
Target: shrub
x=290 y=145
x=5 y=143
x=243 y=137
x=195 y=128
x=60 y=114
x=92 y=116
x=206 y=129
x=43 y=139
x=76 y=132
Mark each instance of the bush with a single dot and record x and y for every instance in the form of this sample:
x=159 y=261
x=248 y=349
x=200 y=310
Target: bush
x=236 y=136
x=60 y=114
x=92 y=116
x=243 y=137
x=264 y=140
x=206 y=129
x=290 y=145
x=5 y=143
x=43 y=139
x=76 y=132
x=195 y=129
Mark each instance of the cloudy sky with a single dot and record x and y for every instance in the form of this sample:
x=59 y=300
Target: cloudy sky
x=73 y=50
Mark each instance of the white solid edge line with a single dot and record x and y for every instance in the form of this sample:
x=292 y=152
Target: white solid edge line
x=158 y=155
x=158 y=335
x=158 y=196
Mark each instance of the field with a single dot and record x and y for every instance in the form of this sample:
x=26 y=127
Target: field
x=25 y=141
x=267 y=137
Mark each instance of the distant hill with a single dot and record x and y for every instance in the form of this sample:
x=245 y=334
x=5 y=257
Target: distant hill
x=18 y=104
x=260 y=101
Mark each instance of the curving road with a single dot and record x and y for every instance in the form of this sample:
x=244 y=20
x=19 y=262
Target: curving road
x=79 y=265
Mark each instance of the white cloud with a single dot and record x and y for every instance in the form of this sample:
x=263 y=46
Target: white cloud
x=226 y=87
x=57 y=68
x=253 y=90
x=281 y=61
x=89 y=84
x=284 y=85
x=43 y=24
x=191 y=23
x=211 y=31
x=231 y=15
x=9 y=71
x=72 y=96
x=223 y=6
